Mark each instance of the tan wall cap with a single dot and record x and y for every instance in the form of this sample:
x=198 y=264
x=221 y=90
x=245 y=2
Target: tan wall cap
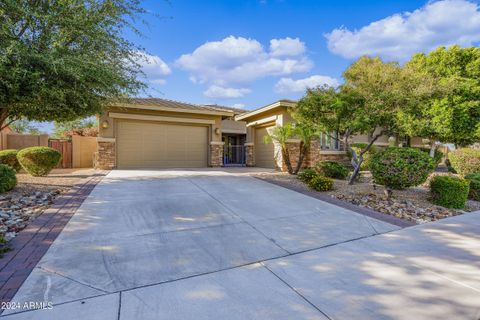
x=218 y=143
x=249 y=144
x=102 y=139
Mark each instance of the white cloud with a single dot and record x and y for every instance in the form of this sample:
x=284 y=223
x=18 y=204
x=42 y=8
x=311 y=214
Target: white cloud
x=286 y=47
x=438 y=23
x=154 y=68
x=215 y=91
x=238 y=105
x=240 y=61
x=285 y=85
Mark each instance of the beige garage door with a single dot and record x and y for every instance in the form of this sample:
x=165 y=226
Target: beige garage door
x=264 y=152
x=142 y=144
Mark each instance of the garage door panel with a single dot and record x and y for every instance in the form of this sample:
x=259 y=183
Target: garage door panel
x=264 y=152
x=157 y=145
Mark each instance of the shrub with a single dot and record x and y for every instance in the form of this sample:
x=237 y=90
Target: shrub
x=307 y=174
x=474 y=179
x=39 y=161
x=8 y=180
x=400 y=168
x=437 y=156
x=321 y=183
x=331 y=169
x=449 y=192
x=358 y=147
x=4 y=246
x=465 y=161
x=9 y=157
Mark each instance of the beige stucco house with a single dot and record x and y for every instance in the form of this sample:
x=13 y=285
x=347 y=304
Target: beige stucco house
x=160 y=133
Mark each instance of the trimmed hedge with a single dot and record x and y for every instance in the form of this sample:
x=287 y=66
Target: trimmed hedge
x=306 y=175
x=437 y=156
x=8 y=180
x=39 y=161
x=331 y=169
x=400 y=168
x=9 y=158
x=367 y=156
x=321 y=183
x=474 y=179
x=449 y=192
x=465 y=161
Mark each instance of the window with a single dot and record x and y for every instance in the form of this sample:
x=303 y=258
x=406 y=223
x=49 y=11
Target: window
x=330 y=141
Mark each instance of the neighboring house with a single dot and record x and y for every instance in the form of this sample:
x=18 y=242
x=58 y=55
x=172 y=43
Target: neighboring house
x=160 y=133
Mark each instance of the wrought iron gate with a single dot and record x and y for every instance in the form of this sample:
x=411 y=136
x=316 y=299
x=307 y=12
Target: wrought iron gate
x=234 y=155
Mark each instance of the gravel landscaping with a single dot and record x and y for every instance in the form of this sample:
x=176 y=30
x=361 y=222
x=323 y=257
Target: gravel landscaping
x=32 y=196
x=412 y=204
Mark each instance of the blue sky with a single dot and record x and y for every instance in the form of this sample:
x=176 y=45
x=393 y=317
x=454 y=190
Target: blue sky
x=254 y=52
x=322 y=39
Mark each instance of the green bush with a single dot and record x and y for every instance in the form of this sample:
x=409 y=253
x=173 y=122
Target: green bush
x=437 y=156
x=321 y=183
x=39 y=161
x=400 y=168
x=449 y=192
x=8 y=180
x=358 y=147
x=307 y=174
x=465 y=161
x=474 y=179
x=9 y=157
x=331 y=169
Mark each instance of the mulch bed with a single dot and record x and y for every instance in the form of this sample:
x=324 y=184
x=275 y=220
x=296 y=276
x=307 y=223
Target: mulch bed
x=410 y=206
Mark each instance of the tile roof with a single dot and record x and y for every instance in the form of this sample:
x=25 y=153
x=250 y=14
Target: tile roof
x=157 y=102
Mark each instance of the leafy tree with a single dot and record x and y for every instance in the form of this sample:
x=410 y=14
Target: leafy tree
x=24 y=126
x=367 y=103
x=453 y=114
x=64 y=59
x=60 y=129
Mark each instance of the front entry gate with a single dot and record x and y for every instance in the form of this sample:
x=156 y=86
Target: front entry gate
x=234 y=155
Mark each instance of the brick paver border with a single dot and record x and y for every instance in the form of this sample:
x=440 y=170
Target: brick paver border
x=350 y=206
x=29 y=246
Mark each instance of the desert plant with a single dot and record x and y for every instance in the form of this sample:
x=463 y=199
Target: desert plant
x=321 y=183
x=307 y=174
x=465 y=161
x=449 y=192
x=8 y=180
x=4 y=246
x=9 y=158
x=400 y=168
x=331 y=169
x=474 y=179
x=358 y=147
x=39 y=161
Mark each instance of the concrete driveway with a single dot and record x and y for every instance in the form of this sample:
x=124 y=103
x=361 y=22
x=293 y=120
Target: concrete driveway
x=209 y=244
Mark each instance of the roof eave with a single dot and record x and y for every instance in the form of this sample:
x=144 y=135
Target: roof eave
x=179 y=109
x=288 y=104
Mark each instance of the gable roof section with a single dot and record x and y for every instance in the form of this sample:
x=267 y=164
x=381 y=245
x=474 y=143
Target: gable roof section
x=280 y=103
x=176 y=106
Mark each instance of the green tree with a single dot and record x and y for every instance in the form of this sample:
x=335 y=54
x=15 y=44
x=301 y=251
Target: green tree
x=367 y=103
x=60 y=128
x=453 y=113
x=24 y=126
x=64 y=59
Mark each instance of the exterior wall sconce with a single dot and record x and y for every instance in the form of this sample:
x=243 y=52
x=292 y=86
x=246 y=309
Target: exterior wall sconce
x=217 y=131
x=105 y=124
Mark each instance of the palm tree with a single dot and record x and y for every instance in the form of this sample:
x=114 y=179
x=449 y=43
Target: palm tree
x=280 y=135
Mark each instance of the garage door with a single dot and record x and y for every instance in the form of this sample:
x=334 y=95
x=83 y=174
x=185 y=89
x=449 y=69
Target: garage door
x=143 y=144
x=264 y=152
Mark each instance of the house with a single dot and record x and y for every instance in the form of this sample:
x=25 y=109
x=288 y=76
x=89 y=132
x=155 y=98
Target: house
x=160 y=133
